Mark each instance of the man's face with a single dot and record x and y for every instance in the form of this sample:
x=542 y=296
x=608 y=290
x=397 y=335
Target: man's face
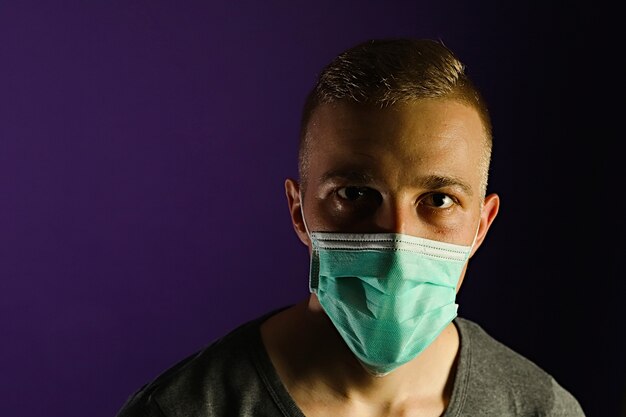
x=413 y=168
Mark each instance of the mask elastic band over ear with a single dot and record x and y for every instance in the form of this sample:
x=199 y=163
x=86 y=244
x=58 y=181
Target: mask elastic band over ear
x=302 y=213
x=476 y=234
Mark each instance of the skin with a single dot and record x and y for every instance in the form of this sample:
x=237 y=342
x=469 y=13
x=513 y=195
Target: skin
x=412 y=168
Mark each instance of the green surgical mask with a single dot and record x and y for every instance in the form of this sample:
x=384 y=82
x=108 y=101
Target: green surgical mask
x=389 y=295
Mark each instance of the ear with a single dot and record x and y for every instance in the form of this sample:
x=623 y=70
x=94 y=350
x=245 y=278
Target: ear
x=490 y=209
x=292 y=190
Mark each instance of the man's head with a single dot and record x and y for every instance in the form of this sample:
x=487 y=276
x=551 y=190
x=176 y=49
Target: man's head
x=394 y=138
x=382 y=73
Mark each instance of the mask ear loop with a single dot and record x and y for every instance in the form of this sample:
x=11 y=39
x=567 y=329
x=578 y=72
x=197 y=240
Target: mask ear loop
x=314 y=265
x=306 y=229
x=475 y=235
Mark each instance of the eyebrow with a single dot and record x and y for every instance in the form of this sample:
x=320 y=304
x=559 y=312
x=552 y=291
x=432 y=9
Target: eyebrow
x=431 y=182
x=438 y=181
x=349 y=175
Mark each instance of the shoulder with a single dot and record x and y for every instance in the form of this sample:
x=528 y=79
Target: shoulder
x=489 y=358
x=507 y=378
x=208 y=382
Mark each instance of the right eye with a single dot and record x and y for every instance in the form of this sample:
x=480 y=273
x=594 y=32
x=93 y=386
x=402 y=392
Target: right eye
x=352 y=193
x=357 y=200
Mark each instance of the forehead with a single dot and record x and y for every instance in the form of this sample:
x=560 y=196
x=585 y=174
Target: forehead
x=423 y=137
x=407 y=122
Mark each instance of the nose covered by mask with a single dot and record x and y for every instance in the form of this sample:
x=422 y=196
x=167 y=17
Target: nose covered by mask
x=389 y=295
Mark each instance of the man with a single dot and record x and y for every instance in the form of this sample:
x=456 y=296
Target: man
x=391 y=203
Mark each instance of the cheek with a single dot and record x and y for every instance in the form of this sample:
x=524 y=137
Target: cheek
x=455 y=227
x=334 y=215
x=322 y=215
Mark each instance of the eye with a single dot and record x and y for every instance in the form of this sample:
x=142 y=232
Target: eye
x=354 y=203
x=439 y=200
x=353 y=193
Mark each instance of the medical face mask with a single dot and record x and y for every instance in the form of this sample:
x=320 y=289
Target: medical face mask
x=389 y=295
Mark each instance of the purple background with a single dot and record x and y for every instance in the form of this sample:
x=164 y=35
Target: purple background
x=143 y=150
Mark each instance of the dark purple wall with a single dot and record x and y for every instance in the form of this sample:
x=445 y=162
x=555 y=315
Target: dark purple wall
x=143 y=150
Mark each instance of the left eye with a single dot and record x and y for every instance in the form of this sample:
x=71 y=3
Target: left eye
x=438 y=200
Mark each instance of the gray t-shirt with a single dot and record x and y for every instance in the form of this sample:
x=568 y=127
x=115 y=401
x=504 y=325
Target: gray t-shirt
x=234 y=376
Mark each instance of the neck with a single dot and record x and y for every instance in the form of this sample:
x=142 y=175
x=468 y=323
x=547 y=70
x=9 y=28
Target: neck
x=309 y=354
